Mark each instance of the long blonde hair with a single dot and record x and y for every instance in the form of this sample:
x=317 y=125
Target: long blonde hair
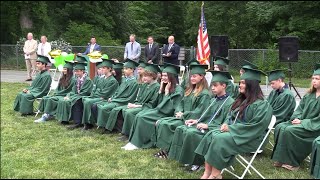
x=198 y=88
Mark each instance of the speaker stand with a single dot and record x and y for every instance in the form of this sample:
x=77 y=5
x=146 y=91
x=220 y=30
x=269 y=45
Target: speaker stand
x=291 y=85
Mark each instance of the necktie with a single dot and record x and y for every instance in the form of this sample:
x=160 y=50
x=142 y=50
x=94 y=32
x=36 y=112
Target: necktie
x=170 y=45
x=131 y=47
x=42 y=49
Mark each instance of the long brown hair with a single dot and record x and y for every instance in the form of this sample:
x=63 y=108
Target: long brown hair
x=173 y=81
x=65 y=79
x=197 y=87
x=253 y=92
x=312 y=89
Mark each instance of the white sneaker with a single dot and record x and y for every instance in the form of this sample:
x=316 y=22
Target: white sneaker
x=131 y=147
x=40 y=120
x=124 y=147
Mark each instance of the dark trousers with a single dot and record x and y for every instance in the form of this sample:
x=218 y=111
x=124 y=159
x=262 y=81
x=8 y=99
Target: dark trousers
x=77 y=111
x=94 y=111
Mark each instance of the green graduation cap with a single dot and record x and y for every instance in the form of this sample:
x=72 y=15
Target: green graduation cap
x=142 y=64
x=220 y=76
x=252 y=74
x=171 y=68
x=221 y=61
x=192 y=62
x=68 y=65
x=276 y=74
x=106 y=63
x=198 y=69
x=43 y=59
x=80 y=66
x=153 y=68
x=82 y=59
x=118 y=65
x=248 y=65
x=317 y=69
x=130 y=64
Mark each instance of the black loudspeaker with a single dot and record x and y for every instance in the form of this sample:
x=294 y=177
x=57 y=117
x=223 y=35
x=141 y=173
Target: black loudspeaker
x=219 y=46
x=288 y=49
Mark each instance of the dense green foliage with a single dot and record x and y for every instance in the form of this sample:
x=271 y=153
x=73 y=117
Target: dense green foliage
x=249 y=24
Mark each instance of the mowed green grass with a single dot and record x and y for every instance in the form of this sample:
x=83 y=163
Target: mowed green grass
x=49 y=150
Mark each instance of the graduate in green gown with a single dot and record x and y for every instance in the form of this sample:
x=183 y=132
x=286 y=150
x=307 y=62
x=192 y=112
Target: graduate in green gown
x=103 y=89
x=315 y=159
x=242 y=131
x=39 y=88
x=82 y=87
x=293 y=139
x=220 y=64
x=185 y=81
x=147 y=98
x=140 y=70
x=48 y=104
x=196 y=99
x=125 y=93
x=143 y=131
x=187 y=137
x=117 y=71
x=280 y=98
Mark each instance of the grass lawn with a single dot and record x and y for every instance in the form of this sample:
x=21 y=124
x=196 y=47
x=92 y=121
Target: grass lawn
x=49 y=150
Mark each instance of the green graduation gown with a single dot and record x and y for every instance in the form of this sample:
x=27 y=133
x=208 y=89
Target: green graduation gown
x=186 y=139
x=283 y=104
x=192 y=108
x=232 y=90
x=147 y=97
x=40 y=87
x=293 y=143
x=49 y=104
x=65 y=106
x=125 y=93
x=103 y=89
x=315 y=159
x=143 y=132
x=244 y=136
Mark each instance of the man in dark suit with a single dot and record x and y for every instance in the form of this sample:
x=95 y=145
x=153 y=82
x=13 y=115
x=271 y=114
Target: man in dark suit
x=92 y=47
x=171 y=52
x=151 y=51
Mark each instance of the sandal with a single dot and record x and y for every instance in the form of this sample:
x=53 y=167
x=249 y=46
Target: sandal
x=289 y=167
x=161 y=154
x=215 y=177
x=277 y=164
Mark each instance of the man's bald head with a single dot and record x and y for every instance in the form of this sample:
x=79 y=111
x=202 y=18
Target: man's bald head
x=171 y=39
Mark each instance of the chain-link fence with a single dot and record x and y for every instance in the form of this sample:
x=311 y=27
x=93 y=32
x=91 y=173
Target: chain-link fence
x=266 y=59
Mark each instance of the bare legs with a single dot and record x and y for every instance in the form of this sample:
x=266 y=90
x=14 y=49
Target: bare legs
x=211 y=172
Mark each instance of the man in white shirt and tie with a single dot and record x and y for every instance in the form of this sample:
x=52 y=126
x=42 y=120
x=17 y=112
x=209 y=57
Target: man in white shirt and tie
x=132 y=50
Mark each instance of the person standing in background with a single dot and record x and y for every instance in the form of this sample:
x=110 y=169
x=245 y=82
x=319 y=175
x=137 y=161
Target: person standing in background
x=151 y=51
x=132 y=50
x=171 y=52
x=30 y=55
x=44 y=48
x=92 y=46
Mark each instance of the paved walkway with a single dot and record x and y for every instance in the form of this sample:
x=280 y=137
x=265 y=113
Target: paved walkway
x=20 y=76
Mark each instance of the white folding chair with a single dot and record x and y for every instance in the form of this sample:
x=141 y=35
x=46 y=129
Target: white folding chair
x=248 y=164
x=181 y=75
x=53 y=86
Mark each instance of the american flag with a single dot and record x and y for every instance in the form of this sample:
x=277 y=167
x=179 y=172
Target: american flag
x=203 y=49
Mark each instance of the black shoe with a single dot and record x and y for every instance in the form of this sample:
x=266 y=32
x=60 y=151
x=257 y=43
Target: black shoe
x=71 y=127
x=87 y=127
x=29 y=79
x=106 y=131
x=27 y=114
x=64 y=122
x=123 y=138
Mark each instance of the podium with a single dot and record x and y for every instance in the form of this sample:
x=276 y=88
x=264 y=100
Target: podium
x=92 y=71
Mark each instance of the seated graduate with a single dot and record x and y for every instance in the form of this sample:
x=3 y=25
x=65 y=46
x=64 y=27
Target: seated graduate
x=187 y=137
x=293 y=139
x=124 y=94
x=220 y=64
x=280 y=98
x=247 y=65
x=140 y=70
x=147 y=98
x=196 y=99
x=242 y=131
x=49 y=104
x=142 y=132
x=185 y=78
x=117 y=71
x=73 y=100
x=39 y=88
x=103 y=88
x=315 y=159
